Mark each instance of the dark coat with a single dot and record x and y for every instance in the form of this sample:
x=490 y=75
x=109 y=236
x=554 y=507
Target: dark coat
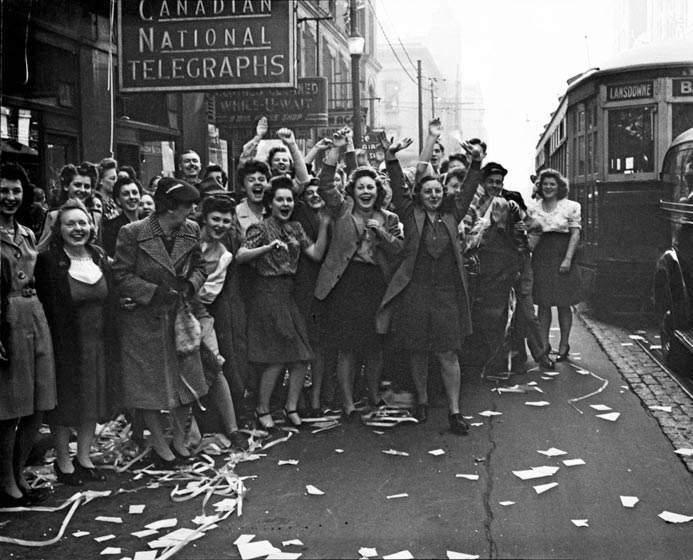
x=109 y=233
x=154 y=376
x=413 y=217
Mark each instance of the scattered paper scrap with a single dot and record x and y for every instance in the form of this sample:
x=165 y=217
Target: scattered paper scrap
x=111 y=550
x=629 y=501
x=401 y=555
x=489 y=413
x=685 y=451
x=582 y=371
x=573 y=462
x=395 y=452
x=243 y=539
x=288 y=462
x=507 y=503
x=436 y=452
x=205 y=519
x=610 y=416
x=655 y=347
x=279 y=555
x=366 y=552
x=537 y=403
x=476 y=424
x=176 y=537
x=545 y=487
x=600 y=407
x=626 y=344
x=292 y=542
x=108 y=519
x=313 y=491
x=581 y=522
x=536 y=472
x=80 y=534
x=163 y=524
x=635 y=337
x=553 y=452
x=145 y=555
x=339 y=450
x=461 y=556
x=552 y=373
x=104 y=538
x=135 y=509
x=671 y=517
x=145 y=533
x=468 y=476
x=662 y=408
x=257 y=549
x=395 y=496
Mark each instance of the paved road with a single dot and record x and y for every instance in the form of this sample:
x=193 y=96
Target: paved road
x=630 y=457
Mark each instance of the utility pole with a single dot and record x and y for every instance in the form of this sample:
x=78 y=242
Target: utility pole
x=433 y=100
x=418 y=82
x=356 y=46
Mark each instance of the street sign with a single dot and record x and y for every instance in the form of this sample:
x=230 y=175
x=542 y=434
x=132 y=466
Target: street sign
x=305 y=106
x=195 y=45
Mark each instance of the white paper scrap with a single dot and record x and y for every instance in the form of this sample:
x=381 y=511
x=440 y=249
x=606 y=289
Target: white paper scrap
x=573 y=462
x=205 y=519
x=401 y=555
x=537 y=403
x=468 y=476
x=163 y=524
x=288 y=462
x=582 y=371
x=476 y=424
x=104 y=538
x=111 y=550
x=313 y=491
x=600 y=407
x=461 y=556
x=292 y=542
x=366 y=552
x=395 y=496
x=257 y=549
x=553 y=452
x=145 y=533
x=339 y=450
x=135 y=509
x=507 y=503
x=545 y=378
x=227 y=504
x=395 y=452
x=626 y=344
x=489 y=413
x=629 y=501
x=610 y=416
x=378 y=433
x=536 y=472
x=655 y=347
x=685 y=451
x=108 y=519
x=671 y=517
x=662 y=408
x=145 y=555
x=243 y=539
x=552 y=373
x=635 y=337
x=581 y=522
x=80 y=534
x=279 y=555
x=436 y=452
x=545 y=487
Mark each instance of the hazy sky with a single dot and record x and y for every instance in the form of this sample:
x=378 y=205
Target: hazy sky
x=520 y=51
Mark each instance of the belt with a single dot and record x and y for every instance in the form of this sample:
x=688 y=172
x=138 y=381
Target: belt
x=26 y=292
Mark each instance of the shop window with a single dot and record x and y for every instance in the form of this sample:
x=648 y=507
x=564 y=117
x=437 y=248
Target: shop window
x=681 y=118
x=631 y=140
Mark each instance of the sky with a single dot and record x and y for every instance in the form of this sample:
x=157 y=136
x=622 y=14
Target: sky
x=521 y=52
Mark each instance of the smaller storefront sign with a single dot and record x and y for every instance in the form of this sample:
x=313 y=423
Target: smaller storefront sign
x=682 y=87
x=626 y=92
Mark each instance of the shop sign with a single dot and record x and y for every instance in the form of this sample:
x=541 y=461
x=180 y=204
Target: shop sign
x=625 y=92
x=302 y=107
x=682 y=87
x=195 y=45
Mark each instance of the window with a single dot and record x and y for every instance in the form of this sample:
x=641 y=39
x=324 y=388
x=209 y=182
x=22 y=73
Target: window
x=681 y=118
x=631 y=140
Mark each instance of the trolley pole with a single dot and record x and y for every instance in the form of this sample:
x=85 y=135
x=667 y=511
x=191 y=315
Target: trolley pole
x=418 y=83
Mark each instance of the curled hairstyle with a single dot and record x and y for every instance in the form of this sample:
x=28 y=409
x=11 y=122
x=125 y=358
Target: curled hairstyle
x=562 y=182
x=249 y=167
x=275 y=184
x=212 y=168
x=223 y=204
x=276 y=150
x=417 y=188
x=366 y=171
x=120 y=183
x=70 y=204
x=70 y=171
x=455 y=173
x=15 y=172
x=105 y=164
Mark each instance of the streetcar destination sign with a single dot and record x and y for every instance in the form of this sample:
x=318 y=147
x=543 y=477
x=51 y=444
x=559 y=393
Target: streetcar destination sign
x=195 y=45
x=624 y=92
x=682 y=87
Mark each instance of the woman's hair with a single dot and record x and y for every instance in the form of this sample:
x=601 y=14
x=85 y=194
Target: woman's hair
x=276 y=183
x=216 y=168
x=15 y=172
x=560 y=180
x=456 y=173
x=70 y=171
x=121 y=182
x=275 y=150
x=129 y=170
x=252 y=166
x=70 y=204
x=105 y=164
x=151 y=186
x=365 y=171
x=221 y=204
x=417 y=189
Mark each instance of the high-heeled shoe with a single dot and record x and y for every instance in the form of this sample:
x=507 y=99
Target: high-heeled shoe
x=264 y=419
x=564 y=356
x=160 y=462
x=71 y=479
x=293 y=418
x=89 y=473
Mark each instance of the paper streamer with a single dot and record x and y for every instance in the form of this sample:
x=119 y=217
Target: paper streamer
x=605 y=383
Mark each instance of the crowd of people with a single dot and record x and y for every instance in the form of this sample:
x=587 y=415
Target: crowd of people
x=195 y=296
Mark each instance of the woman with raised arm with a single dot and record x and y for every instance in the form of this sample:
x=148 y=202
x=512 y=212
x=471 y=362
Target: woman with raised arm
x=355 y=273
x=425 y=308
x=277 y=336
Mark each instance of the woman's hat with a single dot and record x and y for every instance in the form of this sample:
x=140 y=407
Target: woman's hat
x=175 y=189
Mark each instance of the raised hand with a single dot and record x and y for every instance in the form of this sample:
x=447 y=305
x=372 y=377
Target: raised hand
x=287 y=137
x=261 y=128
x=339 y=139
x=323 y=144
x=435 y=127
x=474 y=150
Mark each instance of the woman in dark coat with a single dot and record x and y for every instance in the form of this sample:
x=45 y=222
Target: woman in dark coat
x=158 y=262
x=72 y=281
x=425 y=308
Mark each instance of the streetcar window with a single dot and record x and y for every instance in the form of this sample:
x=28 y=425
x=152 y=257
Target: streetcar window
x=631 y=140
x=681 y=118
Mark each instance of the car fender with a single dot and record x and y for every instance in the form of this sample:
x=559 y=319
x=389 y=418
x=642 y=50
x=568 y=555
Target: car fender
x=670 y=292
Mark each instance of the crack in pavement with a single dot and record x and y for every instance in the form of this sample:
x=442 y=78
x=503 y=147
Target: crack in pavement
x=486 y=495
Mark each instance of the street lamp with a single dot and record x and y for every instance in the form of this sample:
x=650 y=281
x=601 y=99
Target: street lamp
x=356 y=46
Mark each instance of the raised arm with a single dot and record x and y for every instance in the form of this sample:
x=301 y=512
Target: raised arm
x=329 y=193
x=471 y=180
x=250 y=149
x=435 y=129
x=318 y=149
x=401 y=197
x=316 y=251
x=302 y=176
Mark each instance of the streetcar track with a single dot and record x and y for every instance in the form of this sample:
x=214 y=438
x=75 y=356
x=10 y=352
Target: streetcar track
x=674 y=377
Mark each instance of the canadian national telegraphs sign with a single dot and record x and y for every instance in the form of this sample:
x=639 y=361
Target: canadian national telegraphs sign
x=178 y=45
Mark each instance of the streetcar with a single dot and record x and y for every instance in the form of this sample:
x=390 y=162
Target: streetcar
x=673 y=280
x=608 y=136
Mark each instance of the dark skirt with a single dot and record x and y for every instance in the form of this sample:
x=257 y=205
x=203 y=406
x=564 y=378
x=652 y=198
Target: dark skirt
x=276 y=330
x=551 y=288
x=427 y=319
x=349 y=310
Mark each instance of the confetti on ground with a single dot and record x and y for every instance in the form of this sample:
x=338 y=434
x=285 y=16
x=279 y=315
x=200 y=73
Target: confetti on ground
x=136 y=509
x=582 y=371
x=545 y=487
x=468 y=476
x=145 y=555
x=536 y=472
x=461 y=556
x=507 y=503
x=436 y=452
x=600 y=407
x=110 y=551
x=366 y=552
x=629 y=501
x=104 y=538
x=288 y=462
x=537 y=403
x=176 y=537
x=671 y=517
x=573 y=462
x=662 y=408
x=656 y=347
x=401 y=555
x=685 y=451
x=610 y=416
x=476 y=424
x=636 y=337
x=243 y=539
x=163 y=524
x=395 y=496
x=552 y=373
x=553 y=452
x=145 y=533
x=313 y=491
x=279 y=555
x=580 y=522
x=489 y=413
x=378 y=433
x=257 y=549
x=626 y=344
x=547 y=378
x=292 y=542
x=339 y=450
x=395 y=452
x=108 y=519
x=79 y=534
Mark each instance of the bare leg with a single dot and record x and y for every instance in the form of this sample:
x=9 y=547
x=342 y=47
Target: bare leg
x=152 y=419
x=85 y=437
x=346 y=376
x=61 y=434
x=267 y=383
x=452 y=379
x=419 y=374
x=180 y=416
x=565 y=322
x=374 y=371
x=8 y=483
x=317 y=370
x=297 y=376
x=24 y=440
x=544 y=316
x=221 y=397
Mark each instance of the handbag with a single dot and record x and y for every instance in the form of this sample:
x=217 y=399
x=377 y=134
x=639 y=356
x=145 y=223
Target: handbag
x=187 y=328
